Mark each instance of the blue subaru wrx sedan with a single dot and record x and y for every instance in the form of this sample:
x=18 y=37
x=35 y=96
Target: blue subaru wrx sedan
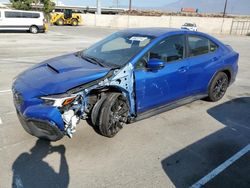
x=130 y=75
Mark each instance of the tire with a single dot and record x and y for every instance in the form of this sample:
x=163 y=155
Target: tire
x=74 y=22
x=33 y=29
x=113 y=114
x=95 y=113
x=59 y=22
x=218 y=87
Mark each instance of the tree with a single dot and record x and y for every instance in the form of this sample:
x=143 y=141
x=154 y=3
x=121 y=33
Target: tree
x=48 y=6
x=26 y=5
x=22 y=4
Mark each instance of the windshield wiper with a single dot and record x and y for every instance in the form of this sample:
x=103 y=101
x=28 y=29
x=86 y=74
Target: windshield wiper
x=93 y=60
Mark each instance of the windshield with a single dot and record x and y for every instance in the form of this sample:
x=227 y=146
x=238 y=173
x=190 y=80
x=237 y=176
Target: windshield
x=117 y=49
x=189 y=25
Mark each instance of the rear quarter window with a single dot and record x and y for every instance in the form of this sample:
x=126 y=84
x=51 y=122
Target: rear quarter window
x=30 y=15
x=213 y=47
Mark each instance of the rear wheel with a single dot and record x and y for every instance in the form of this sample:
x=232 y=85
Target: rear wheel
x=113 y=114
x=218 y=87
x=34 y=29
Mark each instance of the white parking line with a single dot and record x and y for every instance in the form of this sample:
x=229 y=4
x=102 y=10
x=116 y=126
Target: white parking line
x=1 y=122
x=5 y=91
x=220 y=168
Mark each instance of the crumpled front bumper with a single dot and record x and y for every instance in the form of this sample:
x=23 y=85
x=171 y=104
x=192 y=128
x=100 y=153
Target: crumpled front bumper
x=38 y=119
x=40 y=128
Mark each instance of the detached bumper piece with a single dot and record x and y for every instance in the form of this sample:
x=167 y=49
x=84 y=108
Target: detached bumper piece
x=41 y=129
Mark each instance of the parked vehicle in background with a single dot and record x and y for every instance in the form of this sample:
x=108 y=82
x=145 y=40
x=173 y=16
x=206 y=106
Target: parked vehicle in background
x=189 y=26
x=130 y=75
x=65 y=18
x=31 y=21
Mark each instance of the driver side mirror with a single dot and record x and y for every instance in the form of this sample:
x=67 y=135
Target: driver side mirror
x=155 y=64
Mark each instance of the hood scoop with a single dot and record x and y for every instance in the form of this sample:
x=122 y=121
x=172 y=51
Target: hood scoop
x=52 y=68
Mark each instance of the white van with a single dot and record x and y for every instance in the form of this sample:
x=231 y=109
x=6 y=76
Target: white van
x=22 y=20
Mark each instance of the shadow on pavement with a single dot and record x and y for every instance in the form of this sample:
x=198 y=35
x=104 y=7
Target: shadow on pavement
x=29 y=169
x=192 y=163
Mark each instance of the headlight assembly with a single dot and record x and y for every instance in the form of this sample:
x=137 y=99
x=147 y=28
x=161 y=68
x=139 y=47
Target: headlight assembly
x=59 y=100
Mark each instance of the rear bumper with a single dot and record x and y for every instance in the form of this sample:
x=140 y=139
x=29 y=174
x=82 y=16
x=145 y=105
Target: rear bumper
x=40 y=128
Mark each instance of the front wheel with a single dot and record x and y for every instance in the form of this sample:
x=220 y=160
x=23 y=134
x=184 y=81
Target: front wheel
x=113 y=114
x=218 y=87
x=60 y=22
x=74 y=22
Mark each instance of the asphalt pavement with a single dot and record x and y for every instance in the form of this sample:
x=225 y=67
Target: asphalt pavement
x=177 y=148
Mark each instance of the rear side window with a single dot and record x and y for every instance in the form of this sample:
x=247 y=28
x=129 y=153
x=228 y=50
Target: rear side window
x=198 y=45
x=30 y=15
x=12 y=14
x=35 y=15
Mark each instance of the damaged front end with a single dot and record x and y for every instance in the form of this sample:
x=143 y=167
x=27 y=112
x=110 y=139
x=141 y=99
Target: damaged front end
x=59 y=115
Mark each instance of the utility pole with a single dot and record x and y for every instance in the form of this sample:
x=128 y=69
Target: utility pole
x=98 y=7
x=225 y=9
x=130 y=5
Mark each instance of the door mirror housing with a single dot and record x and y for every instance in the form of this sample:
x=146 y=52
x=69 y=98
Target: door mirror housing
x=155 y=64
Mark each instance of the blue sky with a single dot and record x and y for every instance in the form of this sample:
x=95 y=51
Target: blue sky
x=137 y=3
x=107 y=3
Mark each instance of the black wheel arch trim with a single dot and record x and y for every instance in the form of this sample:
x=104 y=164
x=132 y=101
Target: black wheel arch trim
x=221 y=70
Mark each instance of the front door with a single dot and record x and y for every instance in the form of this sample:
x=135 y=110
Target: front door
x=158 y=87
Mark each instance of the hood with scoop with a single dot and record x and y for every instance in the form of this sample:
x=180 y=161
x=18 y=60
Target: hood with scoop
x=60 y=74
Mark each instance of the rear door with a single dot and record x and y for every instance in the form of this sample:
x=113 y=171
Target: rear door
x=203 y=55
x=157 y=88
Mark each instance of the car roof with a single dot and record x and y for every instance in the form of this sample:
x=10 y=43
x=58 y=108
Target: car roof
x=161 y=31
x=156 y=31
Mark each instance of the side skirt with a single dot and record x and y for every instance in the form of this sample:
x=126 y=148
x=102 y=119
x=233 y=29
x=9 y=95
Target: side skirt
x=168 y=106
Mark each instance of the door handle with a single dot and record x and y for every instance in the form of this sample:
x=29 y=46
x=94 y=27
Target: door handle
x=182 y=69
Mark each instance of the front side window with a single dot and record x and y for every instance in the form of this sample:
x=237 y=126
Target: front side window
x=168 y=50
